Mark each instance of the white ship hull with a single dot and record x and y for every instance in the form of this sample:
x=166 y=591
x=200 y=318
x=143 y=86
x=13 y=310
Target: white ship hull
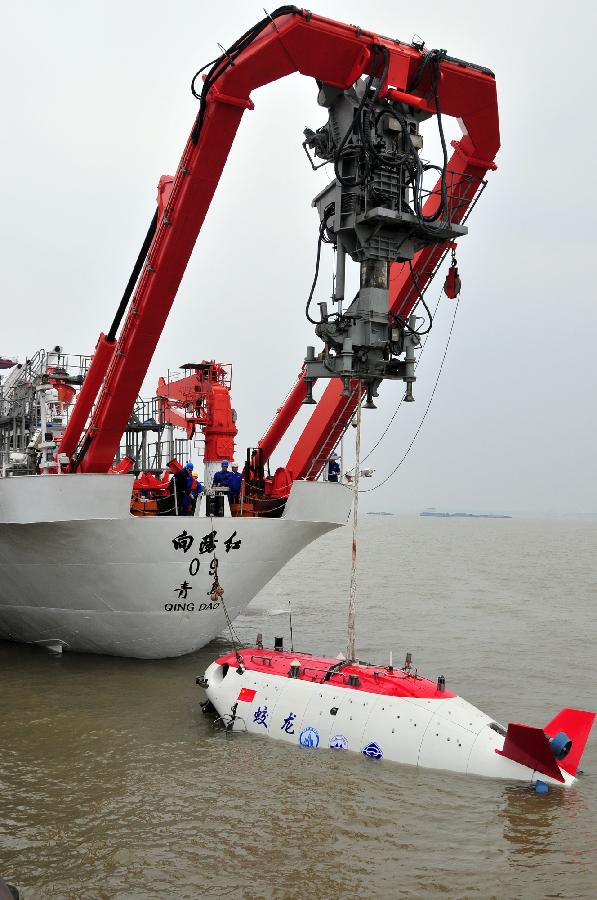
x=106 y=582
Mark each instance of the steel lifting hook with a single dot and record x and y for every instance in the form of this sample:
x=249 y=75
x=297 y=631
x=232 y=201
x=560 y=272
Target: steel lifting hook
x=452 y=283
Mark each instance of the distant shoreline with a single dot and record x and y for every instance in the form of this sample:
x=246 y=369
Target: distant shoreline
x=463 y=515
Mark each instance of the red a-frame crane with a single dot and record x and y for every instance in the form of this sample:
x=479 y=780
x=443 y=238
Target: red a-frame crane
x=287 y=41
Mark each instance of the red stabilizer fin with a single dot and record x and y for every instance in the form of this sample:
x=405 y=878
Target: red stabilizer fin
x=529 y=747
x=577 y=724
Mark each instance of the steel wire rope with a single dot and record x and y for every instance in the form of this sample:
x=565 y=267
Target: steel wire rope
x=416 y=434
x=236 y=642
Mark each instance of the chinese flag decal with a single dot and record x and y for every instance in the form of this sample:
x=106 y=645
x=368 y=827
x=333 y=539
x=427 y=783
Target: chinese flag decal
x=247 y=694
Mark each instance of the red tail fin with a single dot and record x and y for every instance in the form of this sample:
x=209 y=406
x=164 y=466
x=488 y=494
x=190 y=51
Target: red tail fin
x=529 y=747
x=577 y=724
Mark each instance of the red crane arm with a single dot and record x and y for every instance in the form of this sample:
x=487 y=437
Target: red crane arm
x=328 y=50
x=289 y=40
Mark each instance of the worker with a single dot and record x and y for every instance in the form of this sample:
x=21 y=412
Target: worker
x=222 y=478
x=180 y=486
x=187 y=500
x=236 y=483
x=196 y=490
x=333 y=467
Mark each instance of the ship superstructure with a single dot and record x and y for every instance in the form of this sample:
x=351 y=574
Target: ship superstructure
x=35 y=399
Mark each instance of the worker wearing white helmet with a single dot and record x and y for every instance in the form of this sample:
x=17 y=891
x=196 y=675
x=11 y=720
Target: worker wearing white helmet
x=236 y=482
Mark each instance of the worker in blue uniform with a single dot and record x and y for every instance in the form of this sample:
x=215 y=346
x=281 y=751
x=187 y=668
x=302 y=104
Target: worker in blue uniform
x=222 y=478
x=236 y=483
x=187 y=500
x=180 y=486
x=333 y=467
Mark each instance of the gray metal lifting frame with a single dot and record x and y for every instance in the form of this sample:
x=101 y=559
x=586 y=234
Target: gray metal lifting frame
x=372 y=212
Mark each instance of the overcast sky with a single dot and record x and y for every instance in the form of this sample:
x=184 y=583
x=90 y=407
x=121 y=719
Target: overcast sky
x=96 y=105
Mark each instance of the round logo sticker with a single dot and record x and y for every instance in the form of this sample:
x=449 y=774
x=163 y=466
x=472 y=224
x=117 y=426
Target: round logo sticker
x=309 y=737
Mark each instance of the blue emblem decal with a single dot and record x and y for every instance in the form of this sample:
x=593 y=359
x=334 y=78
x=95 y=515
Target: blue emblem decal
x=338 y=742
x=373 y=751
x=309 y=737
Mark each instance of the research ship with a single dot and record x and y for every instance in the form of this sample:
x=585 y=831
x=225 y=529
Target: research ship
x=106 y=562
x=94 y=553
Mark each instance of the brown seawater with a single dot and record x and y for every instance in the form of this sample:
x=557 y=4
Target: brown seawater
x=114 y=785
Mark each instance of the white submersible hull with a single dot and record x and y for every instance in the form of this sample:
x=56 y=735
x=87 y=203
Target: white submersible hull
x=78 y=572
x=387 y=714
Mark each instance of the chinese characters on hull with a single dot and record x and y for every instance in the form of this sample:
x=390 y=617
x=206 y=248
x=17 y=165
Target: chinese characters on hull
x=207 y=545
x=260 y=716
x=287 y=725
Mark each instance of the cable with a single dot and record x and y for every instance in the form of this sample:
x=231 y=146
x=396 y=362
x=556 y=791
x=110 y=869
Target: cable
x=316 y=275
x=227 y=59
x=422 y=299
x=364 y=108
x=356 y=118
x=416 y=434
x=128 y=291
x=433 y=59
